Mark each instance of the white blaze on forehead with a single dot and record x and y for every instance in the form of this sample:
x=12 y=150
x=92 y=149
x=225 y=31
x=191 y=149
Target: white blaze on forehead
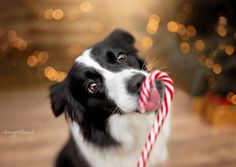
x=115 y=82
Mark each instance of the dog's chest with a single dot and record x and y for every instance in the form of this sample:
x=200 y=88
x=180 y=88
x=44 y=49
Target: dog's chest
x=131 y=131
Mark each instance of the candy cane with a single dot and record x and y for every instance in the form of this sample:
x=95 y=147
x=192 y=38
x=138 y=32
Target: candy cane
x=164 y=109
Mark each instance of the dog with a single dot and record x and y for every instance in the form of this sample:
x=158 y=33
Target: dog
x=99 y=97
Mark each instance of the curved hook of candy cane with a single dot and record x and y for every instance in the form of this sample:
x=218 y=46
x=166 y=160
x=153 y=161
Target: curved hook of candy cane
x=148 y=84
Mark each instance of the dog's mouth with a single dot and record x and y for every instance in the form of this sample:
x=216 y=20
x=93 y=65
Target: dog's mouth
x=153 y=103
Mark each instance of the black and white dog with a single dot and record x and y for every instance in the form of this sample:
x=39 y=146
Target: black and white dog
x=99 y=97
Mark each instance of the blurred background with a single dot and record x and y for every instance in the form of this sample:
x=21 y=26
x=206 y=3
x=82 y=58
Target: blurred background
x=193 y=40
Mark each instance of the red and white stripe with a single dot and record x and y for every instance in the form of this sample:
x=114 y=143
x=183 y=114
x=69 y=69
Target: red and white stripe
x=144 y=96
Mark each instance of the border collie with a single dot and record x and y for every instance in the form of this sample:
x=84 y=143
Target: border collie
x=99 y=98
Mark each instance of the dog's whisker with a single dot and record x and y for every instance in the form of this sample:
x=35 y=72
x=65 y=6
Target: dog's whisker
x=164 y=67
x=154 y=64
x=116 y=109
x=144 y=67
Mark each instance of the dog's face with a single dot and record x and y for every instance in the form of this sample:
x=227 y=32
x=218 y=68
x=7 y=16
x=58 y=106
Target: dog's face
x=104 y=80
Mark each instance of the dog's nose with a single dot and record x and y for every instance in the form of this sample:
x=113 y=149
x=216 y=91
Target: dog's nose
x=135 y=82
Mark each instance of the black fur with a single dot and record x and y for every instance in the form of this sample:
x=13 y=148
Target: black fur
x=70 y=156
x=118 y=42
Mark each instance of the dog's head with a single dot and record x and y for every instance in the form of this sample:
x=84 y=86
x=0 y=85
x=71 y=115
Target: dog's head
x=104 y=80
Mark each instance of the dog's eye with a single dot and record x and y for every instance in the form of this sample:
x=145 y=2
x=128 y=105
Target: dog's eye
x=92 y=88
x=122 y=57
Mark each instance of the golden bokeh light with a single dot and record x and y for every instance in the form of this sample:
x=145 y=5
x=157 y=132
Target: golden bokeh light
x=221 y=30
x=60 y=76
x=229 y=50
x=229 y=96
x=199 y=45
x=21 y=45
x=191 y=31
x=48 y=14
x=15 y=41
x=50 y=73
x=152 y=26
x=184 y=47
x=38 y=57
x=209 y=62
x=11 y=35
x=181 y=29
x=58 y=14
x=233 y=99
x=217 y=69
x=172 y=26
x=85 y=7
x=42 y=57
x=222 y=21
x=32 y=61
x=146 y=42
x=155 y=17
x=54 y=75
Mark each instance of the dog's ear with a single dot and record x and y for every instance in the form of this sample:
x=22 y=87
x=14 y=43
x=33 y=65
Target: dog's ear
x=58 y=102
x=121 y=38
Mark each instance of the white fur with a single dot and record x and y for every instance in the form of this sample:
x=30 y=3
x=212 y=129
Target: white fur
x=130 y=130
x=115 y=82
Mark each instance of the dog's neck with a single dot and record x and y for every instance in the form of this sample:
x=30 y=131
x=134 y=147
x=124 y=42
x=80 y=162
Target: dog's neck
x=95 y=130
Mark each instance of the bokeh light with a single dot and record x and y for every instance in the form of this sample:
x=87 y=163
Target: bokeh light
x=12 y=35
x=181 y=29
x=217 y=69
x=185 y=47
x=233 y=99
x=172 y=26
x=229 y=50
x=221 y=30
x=222 y=21
x=57 y=14
x=48 y=14
x=199 y=45
x=146 y=42
x=37 y=58
x=42 y=57
x=209 y=62
x=86 y=7
x=153 y=24
x=32 y=61
x=54 y=75
x=191 y=31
